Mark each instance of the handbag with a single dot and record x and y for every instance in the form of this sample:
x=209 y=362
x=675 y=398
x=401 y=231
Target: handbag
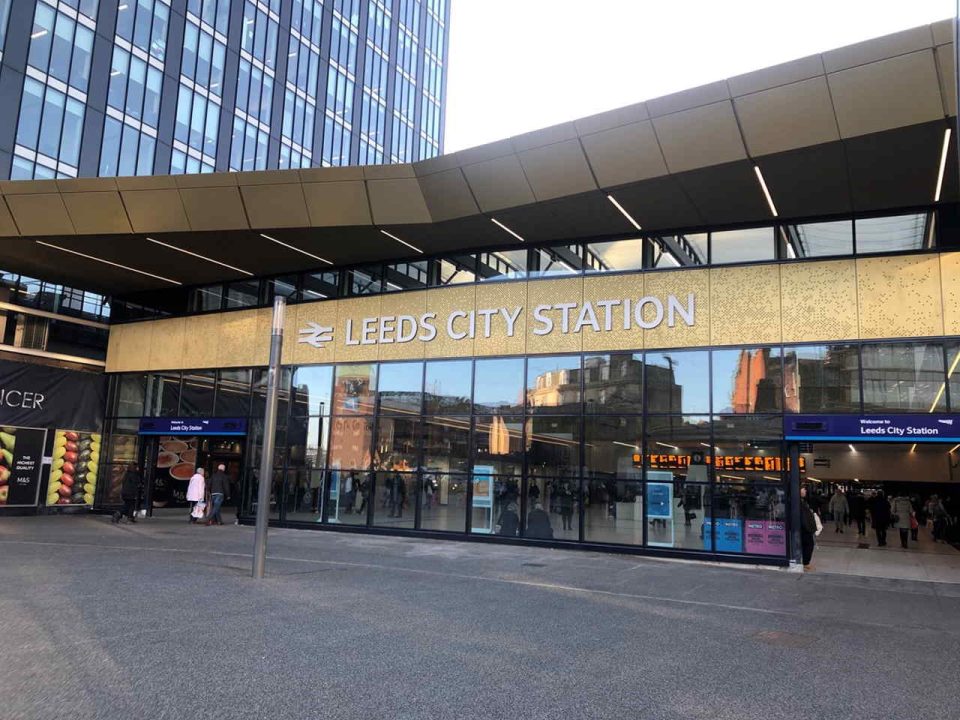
x=199 y=510
x=816 y=519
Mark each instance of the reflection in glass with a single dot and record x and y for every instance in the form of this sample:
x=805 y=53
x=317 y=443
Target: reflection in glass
x=502 y=265
x=400 y=387
x=498 y=444
x=553 y=446
x=903 y=377
x=747 y=245
x=553 y=384
x=612 y=446
x=444 y=501
x=398 y=444
x=205 y=299
x=821 y=378
x=447 y=386
x=670 y=251
x=748 y=448
x=613 y=383
x=817 y=239
x=677 y=512
x=953 y=377
x=409 y=275
x=613 y=511
x=613 y=256
x=354 y=388
x=320 y=286
x=498 y=385
x=348 y=497
x=894 y=234
x=260 y=380
x=446 y=446
x=556 y=261
x=558 y=499
x=747 y=380
x=163 y=394
x=350 y=441
x=197 y=393
x=455 y=271
x=243 y=293
x=678 y=382
x=312 y=389
x=131 y=393
x=395 y=499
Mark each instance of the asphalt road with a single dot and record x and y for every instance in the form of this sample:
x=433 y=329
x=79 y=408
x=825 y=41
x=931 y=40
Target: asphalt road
x=161 y=620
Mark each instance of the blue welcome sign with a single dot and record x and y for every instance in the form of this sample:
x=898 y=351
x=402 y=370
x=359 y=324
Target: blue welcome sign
x=873 y=428
x=193 y=426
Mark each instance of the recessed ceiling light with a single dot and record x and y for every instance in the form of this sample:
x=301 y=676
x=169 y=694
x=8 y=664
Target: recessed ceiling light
x=504 y=227
x=402 y=242
x=108 y=262
x=295 y=249
x=943 y=164
x=766 y=191
x=201 y=257
x=623 y=212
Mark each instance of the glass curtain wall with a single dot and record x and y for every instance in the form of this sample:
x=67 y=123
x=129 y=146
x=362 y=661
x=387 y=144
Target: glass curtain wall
x=673 y=449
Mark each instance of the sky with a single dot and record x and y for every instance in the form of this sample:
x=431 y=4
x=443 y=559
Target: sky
x=520 y=65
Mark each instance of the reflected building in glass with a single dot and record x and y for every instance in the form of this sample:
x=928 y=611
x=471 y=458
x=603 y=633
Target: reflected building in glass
x=157 y=87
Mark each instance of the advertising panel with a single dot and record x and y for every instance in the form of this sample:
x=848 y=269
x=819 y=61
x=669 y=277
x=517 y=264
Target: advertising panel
x=765 y=537
x=873 y=428
x=21 y=454
x=73 y=474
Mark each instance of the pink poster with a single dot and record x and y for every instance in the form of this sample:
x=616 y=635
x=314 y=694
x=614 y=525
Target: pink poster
x=765 y=537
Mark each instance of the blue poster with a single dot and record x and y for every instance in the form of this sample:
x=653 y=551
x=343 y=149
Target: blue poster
x=659 y=500
x=728 y=534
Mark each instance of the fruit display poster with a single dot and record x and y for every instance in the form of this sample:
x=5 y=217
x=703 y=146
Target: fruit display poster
x=73 y=473
x=21 y=455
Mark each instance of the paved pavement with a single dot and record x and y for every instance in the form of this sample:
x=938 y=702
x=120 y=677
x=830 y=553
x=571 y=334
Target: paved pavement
x=161 y=620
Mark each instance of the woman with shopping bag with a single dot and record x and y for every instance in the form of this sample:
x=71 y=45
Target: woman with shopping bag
x=196 y=494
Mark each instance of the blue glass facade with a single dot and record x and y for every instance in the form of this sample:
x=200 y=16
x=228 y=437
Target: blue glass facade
x=143 y=87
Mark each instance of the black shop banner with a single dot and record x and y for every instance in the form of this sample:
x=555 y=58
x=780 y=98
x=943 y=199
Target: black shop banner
x=21 y=454
x=42 y=396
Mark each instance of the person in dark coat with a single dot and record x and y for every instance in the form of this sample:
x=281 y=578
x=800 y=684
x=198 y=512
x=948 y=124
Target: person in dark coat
x=129 y=493
x=858 y=512
x=219 y=487
x=565 y=495
x=509 y=522
x=538 y=523
x=808 y=529
x=880 y=517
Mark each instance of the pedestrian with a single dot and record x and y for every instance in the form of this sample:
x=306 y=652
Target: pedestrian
x=219 y=490
x=509 y=522
x=938 y=515
x=538 y=523
x=364 y=488
x=129 y=492
x=566 y=505
x=196 y=493
x=398 y=495
x=839 y=507
x=349 y=489
x=858 y=511
x=902 y=510
x=880 y=517
x=808 y=530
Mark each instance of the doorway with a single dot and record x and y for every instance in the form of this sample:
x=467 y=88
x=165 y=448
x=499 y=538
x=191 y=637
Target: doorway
x=888 y=510
x=169 y=461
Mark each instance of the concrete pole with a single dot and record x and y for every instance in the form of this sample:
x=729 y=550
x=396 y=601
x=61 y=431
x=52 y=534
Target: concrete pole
x=269 y=431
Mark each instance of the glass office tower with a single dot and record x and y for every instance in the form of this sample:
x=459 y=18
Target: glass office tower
x=154 y=87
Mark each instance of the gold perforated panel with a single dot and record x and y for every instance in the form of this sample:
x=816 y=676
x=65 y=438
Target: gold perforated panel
x=745 y=305
x=444 y=301
x=564 y=291
x=600 y=288
x=681 y=284
x=819 y=301
x=356 y=310
x=238 y=338
x=412 y=305
x=950 y=283
x=168 y=344
x=202 y=346
x=508 y=295
x=899 y=296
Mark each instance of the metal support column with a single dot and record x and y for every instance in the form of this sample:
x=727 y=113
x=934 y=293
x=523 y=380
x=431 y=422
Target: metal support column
x=793 y=455
x=269 y=431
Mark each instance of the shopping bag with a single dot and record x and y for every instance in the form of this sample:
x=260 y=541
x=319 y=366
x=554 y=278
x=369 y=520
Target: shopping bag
x=198 y=510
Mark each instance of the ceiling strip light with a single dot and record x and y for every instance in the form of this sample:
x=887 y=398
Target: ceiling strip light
x=943 y=163
x=202 y=257
x=954 y=448
x=108 y=262
x=505 y=228
x=627 y=215
x=295 y=249
x=766 y=192
x=913 y=448
x=402 y=242
x=852 y=448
